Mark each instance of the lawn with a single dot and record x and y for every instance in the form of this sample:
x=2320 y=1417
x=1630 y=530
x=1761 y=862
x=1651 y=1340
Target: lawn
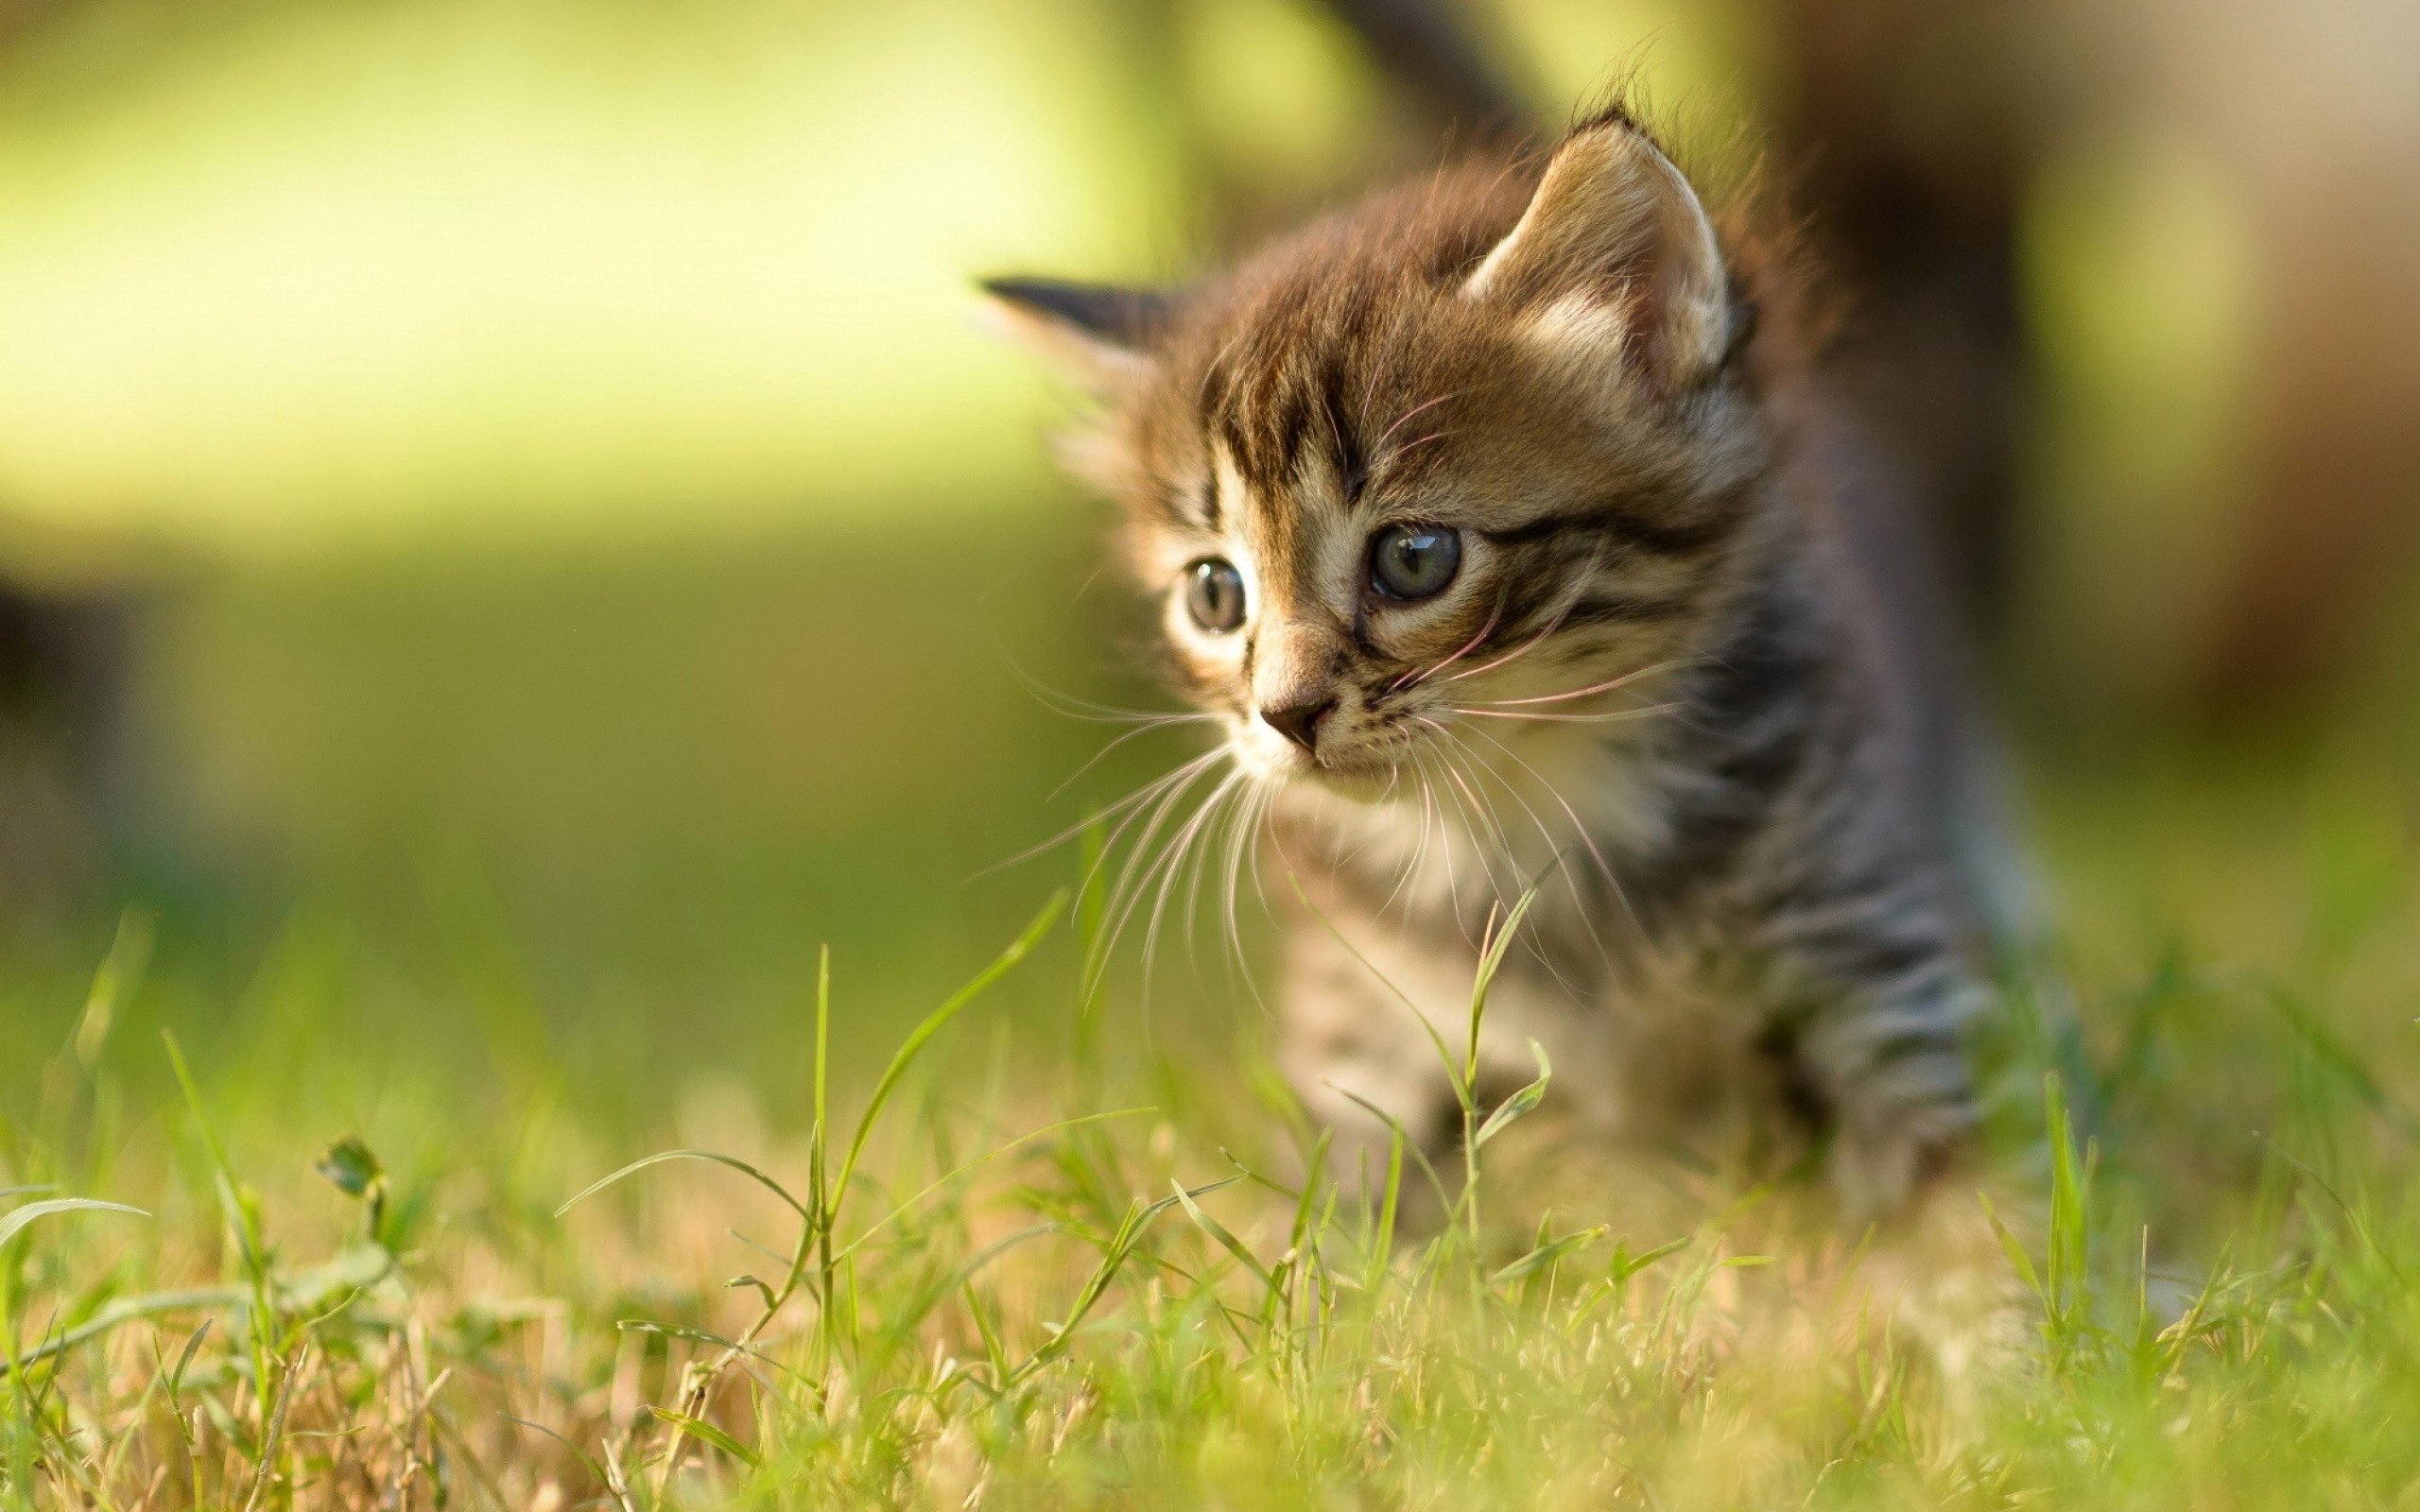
x=948 y=1230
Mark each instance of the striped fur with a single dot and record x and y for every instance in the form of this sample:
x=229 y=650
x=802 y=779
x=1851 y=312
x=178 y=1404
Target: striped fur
x=1657 y=685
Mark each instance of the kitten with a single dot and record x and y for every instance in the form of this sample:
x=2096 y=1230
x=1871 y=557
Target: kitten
x=1490 y=523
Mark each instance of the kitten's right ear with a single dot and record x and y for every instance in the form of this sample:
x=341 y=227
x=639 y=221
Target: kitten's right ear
x=1616 y=249
x=1100 y=335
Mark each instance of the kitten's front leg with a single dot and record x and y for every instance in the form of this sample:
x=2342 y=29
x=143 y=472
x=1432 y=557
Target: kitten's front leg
x=1885 y=1053
x=1351 y=1040
x=1348 y=1045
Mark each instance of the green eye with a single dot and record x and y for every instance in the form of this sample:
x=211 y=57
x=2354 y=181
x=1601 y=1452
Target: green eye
x=1414 y=562
x=1214 y=594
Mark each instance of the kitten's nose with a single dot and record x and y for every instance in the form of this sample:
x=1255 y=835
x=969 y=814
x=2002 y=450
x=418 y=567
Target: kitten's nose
x=1300 y=722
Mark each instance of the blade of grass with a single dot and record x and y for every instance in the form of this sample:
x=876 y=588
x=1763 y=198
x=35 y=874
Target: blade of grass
x=665 y=1156
x=698 y=1427
x=1521 y=1103
x=1121 y=1245
x=240 y=1220
x=923 y=1034
x=13 y=1221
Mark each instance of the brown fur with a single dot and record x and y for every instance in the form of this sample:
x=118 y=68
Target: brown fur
x=1661 y=687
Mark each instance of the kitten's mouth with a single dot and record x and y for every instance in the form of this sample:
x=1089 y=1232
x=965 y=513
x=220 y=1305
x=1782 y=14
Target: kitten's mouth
x=1362 y=776
x=1360 y=784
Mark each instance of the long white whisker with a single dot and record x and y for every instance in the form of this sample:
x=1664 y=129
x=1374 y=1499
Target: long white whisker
x=1419 y=675
x=1420 y=846
x=1175 y=859
x=1129 y=889
x=1162 y=722
x=1578 y=590
x=1494 y=817
x=1556 y=857
x=1240 y=843
x=1586 y=838
x=1485 y=846
x=1604 y=868
x=1614 y=717
x=1622 y=682
x=1486 y=829
x=1059 y=701
x=1444 y=832
x=1141 y=795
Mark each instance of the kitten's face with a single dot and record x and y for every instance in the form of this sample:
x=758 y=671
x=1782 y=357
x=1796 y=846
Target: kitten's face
x=1456 y=470
x=1369 y=542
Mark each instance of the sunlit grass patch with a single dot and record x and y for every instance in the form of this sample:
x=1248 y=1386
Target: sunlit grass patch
x=970 y=1282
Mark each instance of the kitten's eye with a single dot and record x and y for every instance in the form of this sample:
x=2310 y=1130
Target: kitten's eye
x=1214 y=594
x=1414 y=562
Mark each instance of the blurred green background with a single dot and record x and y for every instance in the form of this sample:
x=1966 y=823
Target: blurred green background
x=548 y=546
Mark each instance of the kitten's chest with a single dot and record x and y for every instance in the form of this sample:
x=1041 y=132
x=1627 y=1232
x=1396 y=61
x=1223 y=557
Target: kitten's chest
x=1568 y=823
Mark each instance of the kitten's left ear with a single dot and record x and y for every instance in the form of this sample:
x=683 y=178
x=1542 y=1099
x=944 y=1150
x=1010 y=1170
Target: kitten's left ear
x=1100 y=335
x=1615 y=247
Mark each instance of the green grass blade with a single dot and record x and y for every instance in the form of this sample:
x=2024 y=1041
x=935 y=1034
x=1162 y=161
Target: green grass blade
x=1445 y=1199
x=666 y=1156
x=1227 y=1240
x=934 y=1023
x=976 y=1164
x=1121 y=1245
x=126 y=1309
x=1545 y=1255
x=14 y=1222
x=1383 y=1239
x=1521 y=1103
x=704 y=1432
x=1499 y=940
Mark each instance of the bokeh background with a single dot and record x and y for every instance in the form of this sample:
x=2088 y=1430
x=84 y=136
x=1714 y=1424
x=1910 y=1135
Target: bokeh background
x=512 y=536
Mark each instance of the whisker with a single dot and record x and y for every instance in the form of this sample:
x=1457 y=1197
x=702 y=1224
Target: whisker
x=1555 y=857
x=1481 y=808
x=1127 y=892
x=1419 y=675
x=1624 y=681
x=1587 y=837
x=1475 y=825
x=1141 y=795
x=1444 y=834
x=1162 y=722
x=1419 y=848
x=1059 y=701
x=1177 y=849
x=1400 y=419
x=1610 y=717
x=1240 y=839
x=1400 y=451
x=1578 y=590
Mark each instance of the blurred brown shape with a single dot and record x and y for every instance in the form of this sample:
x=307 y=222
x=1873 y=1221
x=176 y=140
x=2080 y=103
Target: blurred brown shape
x=62 y=654
x=1903 y=132
x=1440 y=66
x=63 y=682
x=2334 y=514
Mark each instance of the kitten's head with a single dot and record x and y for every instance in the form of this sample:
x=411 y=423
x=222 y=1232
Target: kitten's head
x=1475 y=453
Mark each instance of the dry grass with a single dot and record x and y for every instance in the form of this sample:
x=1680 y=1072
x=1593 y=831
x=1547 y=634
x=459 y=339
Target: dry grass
x=987 y=1290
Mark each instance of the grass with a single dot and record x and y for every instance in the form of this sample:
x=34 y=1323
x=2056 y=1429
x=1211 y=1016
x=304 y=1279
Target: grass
x=1028 y=1248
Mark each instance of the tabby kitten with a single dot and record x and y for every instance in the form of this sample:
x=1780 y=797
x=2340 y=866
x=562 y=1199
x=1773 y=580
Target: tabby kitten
x=1488 y=527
